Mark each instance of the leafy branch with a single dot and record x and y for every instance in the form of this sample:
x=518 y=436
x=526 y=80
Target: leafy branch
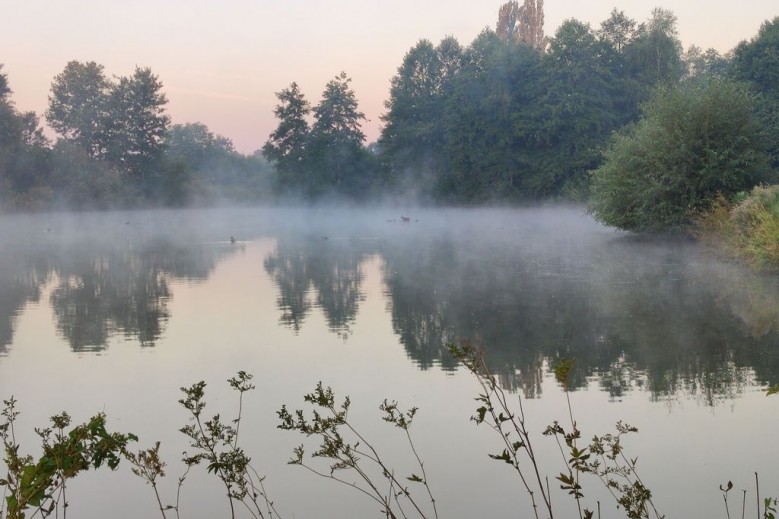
x=40 y=485
x=349 y=452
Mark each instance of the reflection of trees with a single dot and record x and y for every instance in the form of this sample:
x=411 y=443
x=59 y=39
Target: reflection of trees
x=21 y=278
x=329 y=268
x=632 y=313
x=290 y=273
x=115 y=292
x=122 y=289
x=419 y=314
x=107 y=280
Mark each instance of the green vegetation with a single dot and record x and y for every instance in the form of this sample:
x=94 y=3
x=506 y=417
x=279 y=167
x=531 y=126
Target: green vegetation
x=41 y=484
x=116 y=148
x=696 y=141
x=349 y=451
x=748 y=229
x=507 y=120
x=328 y=158
x=699 y=144
x=513 y=116
x=746 y=223
x=603 y=458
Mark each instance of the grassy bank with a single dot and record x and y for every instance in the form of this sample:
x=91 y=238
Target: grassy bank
x=747 y=228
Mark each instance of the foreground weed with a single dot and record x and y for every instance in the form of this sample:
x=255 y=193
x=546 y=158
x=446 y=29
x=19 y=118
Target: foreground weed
x=350 y=452
x=770 y=504
x=214 y=443
x=603 y=457
x=40 y=485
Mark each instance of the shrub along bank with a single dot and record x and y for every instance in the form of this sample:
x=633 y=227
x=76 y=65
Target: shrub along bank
x=747 y=228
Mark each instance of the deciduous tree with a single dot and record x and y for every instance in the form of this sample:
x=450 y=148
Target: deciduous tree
x=656 y=52
x=78 y=106
x=413 y=133
x=5 y=90
x=757 y=60
x=522 y=23
x=618 y=30
x=23 y=152
x=137 y=123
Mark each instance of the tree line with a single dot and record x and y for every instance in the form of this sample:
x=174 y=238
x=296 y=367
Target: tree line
x=511 y=117
x=116 y=147
x=517 y=116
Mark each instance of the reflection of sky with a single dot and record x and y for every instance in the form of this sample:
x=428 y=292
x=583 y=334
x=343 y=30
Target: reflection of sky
x=221 y=62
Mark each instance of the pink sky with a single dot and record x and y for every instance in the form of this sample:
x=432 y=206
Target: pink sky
x=221 y=62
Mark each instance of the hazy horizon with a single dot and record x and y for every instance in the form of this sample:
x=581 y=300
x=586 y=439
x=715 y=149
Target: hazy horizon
x=221 y=65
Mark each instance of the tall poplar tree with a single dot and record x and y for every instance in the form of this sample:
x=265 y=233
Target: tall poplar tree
x=522 y=23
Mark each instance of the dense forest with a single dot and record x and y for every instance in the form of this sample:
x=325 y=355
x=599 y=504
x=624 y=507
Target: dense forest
x=619 y=113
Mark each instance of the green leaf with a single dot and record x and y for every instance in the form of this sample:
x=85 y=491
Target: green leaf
x=504 y=456
x=415 y=478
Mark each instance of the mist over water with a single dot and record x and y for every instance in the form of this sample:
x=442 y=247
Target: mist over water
x=116 y=311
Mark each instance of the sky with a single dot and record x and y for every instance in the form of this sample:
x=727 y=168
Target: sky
x=221 y=62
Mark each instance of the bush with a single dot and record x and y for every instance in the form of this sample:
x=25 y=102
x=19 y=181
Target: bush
x=748 y=229
x=695 y=142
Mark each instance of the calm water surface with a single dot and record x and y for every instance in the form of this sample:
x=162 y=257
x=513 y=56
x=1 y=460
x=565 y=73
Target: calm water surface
x=115 y=312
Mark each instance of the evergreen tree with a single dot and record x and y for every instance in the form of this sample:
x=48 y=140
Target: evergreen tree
x=335 y=150
x=286 y=146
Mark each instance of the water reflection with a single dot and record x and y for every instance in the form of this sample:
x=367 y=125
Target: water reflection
x=327 y=270
x=102 y=288
x=668 y=321
x=662 y=316
x=532 y=287
x=21 y=278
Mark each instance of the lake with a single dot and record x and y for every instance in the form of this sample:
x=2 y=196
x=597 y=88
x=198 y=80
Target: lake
x=114 y=312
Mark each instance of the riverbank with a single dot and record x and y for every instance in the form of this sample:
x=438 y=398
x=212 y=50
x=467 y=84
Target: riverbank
x=747 y=228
